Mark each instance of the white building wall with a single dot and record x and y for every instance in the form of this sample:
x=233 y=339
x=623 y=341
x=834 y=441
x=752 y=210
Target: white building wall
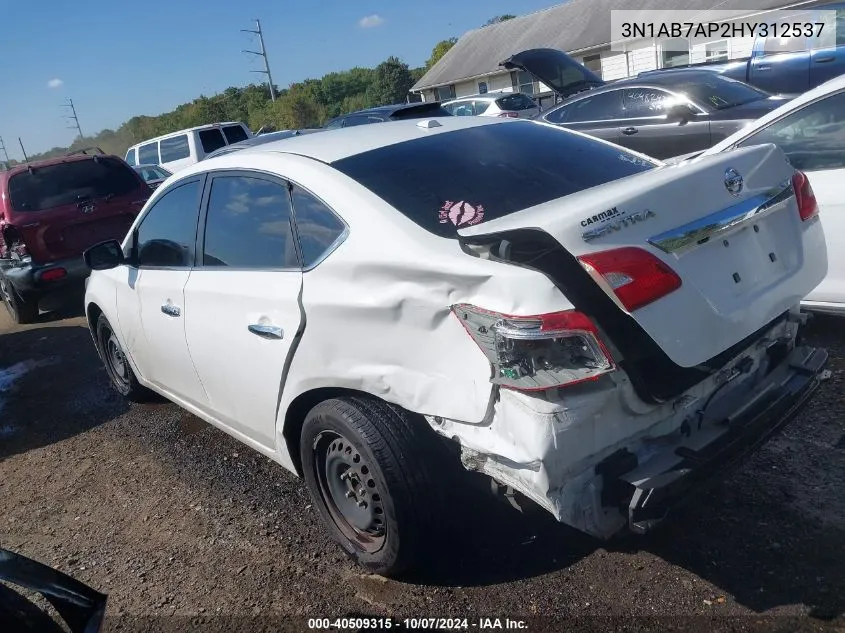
x=502 y=81
x=614 y=65
x=642 y=59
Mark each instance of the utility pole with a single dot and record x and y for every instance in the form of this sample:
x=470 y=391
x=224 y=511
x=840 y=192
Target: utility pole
x=262 y=53
x=75 y=119
x=3 y=147
x=25 y=157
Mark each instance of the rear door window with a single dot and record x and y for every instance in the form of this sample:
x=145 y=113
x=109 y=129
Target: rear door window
x=130 y=157
x=317 y=227
x=516 y=102
x=435 y=182
x=211 y=140
x=234 y=134
x=600 y=107
x=148 y=154
x=645 y=102
x=175 y=148
x=71 y=183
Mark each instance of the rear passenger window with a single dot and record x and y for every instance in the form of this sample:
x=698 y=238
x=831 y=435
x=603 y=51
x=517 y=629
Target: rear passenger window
x=148 y=154
x=234 y=134
x=130 y=157
x=211 y=140
x=515 y=102
x=248 y=224
x=600 y=107
x=167 y=234
x=174 y=148
x=317 y=227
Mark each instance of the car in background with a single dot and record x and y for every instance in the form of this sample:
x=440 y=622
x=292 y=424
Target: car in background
x=375 y=309
x=50 y=212
x=260 y=139
x=181 y=149
x=514 y=105
x=787 y=65
x=153 y=175
x=811 y=132
x=658 y=115
x=381 y=114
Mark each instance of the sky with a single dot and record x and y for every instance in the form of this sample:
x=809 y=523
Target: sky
x=117 y=60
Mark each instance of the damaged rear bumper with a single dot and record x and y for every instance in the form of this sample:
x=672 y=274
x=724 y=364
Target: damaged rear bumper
x=648 y=490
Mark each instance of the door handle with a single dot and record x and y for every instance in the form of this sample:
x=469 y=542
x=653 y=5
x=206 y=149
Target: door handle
x=266 y=331
x=762 y=67
x=629 y=130
x=171 y=310
x=824 y=60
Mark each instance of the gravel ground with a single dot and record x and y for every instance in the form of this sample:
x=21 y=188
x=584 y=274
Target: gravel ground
x=182 y=525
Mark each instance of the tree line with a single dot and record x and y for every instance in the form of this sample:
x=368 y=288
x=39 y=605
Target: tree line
x=304 y=104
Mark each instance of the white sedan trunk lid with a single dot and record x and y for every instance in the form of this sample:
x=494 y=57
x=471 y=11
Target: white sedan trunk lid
x=728 y=225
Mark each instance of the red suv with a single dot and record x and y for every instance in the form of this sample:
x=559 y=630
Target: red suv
x=50 y=212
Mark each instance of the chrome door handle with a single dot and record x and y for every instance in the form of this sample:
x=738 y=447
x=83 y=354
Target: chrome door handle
x=266 y=331
x=629 y=130
x=171 y=310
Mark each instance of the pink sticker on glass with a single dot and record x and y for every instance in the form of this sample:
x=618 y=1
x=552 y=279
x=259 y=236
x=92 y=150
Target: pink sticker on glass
x=461 y=213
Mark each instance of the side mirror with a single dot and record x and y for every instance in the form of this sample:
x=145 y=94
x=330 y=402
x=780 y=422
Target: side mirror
x=680 y=113
x=104 y=256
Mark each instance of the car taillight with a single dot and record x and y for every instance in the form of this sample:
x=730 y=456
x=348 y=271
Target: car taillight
x=509 y=115
x=535 y=353
x=635 y=276
x=807 y=205
x=52 y=274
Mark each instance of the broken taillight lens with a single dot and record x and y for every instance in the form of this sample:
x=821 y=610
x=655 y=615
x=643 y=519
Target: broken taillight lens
x=804 y=195
x=15 y=247
x=535 y=353
x=635 y=276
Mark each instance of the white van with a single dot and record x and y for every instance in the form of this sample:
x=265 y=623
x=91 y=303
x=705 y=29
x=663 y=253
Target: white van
x=180 y=149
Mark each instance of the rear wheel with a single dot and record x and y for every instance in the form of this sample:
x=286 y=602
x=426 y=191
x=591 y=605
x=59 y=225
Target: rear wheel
x=370 y=469
x=119 y=370
x=20 y=310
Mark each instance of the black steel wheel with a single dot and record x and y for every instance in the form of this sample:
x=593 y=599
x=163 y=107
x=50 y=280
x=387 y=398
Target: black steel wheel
x=119 y=371
x=21 y=311
x=374 y=473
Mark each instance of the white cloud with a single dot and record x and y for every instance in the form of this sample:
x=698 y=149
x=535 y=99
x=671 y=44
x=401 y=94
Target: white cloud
x=55 y=83
x=370 y=21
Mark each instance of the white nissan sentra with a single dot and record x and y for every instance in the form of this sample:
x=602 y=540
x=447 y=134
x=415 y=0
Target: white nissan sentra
x=593 y=330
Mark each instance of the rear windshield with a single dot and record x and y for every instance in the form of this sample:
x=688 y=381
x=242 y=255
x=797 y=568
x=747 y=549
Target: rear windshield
x=457 y=179
x=69 y=183
x=516 y=101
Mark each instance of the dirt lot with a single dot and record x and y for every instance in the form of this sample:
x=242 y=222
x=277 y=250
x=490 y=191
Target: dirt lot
x=171 y=517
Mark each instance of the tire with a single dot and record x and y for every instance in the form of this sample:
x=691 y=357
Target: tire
x=20 y=310
x=385 y=458
x=120 y=373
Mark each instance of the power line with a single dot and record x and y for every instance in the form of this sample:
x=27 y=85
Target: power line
x=262 y=53
x=75 y=119
x=3 y=147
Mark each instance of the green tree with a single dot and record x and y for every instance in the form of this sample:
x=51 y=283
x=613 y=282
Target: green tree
x=391 y=82
x=439 y=50
x=499 y=18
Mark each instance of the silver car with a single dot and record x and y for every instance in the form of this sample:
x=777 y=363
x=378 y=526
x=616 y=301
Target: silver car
x=501 y=104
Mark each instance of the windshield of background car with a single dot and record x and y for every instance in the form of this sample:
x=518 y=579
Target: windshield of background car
x=452 y=180
x=67 y=183
x=717 y=92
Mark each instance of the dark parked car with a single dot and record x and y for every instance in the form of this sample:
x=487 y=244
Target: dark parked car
x=661 y=115
x=381 y=114
x=266 y=137
x=153 y=175
x=50 y=212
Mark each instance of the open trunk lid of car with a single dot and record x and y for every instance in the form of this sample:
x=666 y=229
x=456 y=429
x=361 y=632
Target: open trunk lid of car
x=63 y=208
x=727 y=225
x=556 y=69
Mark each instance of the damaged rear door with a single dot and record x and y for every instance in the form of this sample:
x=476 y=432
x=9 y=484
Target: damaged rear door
x=242 y=301
x=700 y=256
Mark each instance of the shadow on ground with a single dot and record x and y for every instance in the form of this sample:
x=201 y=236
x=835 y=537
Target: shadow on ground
x=56 y=387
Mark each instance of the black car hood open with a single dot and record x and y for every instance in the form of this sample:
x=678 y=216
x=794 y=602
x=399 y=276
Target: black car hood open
x=556 y=69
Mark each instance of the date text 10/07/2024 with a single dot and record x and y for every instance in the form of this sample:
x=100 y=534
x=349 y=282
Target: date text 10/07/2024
x=416 y=624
